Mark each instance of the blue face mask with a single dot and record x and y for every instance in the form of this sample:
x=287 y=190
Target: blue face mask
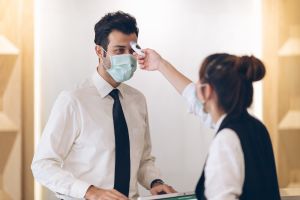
x=122 y=67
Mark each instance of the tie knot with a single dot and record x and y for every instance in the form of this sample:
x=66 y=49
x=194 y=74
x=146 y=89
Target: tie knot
x=114 y=94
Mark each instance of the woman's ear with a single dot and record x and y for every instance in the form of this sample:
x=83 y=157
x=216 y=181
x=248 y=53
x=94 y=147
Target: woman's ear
x=207 y=92
x=199 y=92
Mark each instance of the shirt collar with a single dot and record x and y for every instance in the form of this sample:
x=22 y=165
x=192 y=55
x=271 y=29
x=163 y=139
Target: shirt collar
x=103 y=87
x=219 y=122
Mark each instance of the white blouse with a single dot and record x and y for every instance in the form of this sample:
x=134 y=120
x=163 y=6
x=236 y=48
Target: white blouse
x=225 y=167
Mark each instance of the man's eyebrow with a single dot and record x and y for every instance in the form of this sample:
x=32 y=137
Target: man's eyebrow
x=119 y=46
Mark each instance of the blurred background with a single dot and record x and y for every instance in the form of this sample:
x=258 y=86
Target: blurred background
x=47 y=47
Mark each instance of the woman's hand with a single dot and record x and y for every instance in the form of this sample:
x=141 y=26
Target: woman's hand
x=151 y=61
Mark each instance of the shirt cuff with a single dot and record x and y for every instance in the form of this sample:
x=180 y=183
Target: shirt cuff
x=188 y=90
x=150 y=178
x=189 y=94
x=156 y=181
x=79 y=189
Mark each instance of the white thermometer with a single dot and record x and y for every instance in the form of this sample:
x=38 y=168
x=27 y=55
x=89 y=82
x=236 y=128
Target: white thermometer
x=137 y=48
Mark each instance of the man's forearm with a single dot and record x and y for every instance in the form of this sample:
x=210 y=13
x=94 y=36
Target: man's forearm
x=51 y=175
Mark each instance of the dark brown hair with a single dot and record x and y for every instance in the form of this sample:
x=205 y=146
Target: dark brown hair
x=119 y=21
x=231 y=77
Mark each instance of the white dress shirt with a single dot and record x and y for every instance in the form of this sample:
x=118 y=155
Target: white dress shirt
x=225 y=167
x=77 y=147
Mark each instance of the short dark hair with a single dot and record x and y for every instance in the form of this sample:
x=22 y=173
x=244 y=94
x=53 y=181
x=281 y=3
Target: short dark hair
x=231 y=77
x=119 y=21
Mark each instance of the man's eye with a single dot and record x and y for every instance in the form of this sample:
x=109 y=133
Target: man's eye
x=119 y=51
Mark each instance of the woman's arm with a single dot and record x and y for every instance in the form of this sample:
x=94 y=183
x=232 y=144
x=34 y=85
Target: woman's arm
x=153 y=61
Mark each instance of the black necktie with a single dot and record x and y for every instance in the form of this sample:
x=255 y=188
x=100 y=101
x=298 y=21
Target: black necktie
x=122 y=167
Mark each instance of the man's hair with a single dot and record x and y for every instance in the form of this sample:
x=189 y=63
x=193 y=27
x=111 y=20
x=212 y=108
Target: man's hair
x=119 y=21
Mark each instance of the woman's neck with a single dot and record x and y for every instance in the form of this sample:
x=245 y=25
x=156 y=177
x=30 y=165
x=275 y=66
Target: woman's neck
x=216 y=113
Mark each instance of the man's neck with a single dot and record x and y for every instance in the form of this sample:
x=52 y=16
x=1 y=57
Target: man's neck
x=102 y=72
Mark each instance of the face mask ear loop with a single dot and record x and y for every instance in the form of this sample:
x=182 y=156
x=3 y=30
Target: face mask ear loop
x=105 y=52
x=105 y=57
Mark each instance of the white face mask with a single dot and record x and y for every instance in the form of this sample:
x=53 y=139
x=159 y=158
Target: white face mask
x=196 y=106
x=122 y=67
x=204 y=116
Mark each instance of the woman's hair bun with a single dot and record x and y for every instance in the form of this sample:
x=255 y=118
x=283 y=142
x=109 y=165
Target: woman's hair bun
x=251 y=67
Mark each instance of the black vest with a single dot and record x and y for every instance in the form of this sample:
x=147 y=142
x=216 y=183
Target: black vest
x=260 y=172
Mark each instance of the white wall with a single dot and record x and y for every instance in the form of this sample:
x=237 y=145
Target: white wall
x=182 y=31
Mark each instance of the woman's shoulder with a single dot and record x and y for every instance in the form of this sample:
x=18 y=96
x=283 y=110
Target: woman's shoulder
x=226 y=139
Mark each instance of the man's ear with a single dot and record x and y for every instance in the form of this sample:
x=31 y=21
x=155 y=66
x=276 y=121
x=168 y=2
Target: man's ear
x=99 y=51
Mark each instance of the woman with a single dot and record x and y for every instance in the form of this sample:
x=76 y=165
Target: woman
x=240 y=162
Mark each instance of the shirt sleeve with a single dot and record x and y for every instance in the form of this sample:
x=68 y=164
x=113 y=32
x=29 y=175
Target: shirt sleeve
x=147 y=171
x=56 y=142
x=225 y=168
x=194 y=105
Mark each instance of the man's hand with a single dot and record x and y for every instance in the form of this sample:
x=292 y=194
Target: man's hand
x=162 y=189
x=94 y=193
x=151 y=61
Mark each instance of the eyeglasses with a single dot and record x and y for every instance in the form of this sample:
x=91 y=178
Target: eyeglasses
x=201 y=85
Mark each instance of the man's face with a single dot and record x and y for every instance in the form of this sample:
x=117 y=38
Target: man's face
x=118 y=43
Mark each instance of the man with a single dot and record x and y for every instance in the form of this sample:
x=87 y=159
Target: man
x=96 y=144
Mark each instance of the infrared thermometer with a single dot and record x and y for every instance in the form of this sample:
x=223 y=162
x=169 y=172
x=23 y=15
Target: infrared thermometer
x=137 y=48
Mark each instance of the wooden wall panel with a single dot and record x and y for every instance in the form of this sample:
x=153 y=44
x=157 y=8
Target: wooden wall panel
x=16 y=98
x=282 y=88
